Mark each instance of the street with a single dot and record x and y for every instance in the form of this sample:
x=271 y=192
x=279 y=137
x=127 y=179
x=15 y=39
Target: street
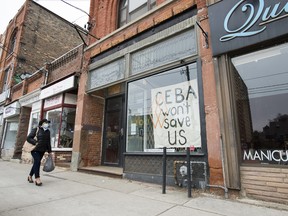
x=73 y=193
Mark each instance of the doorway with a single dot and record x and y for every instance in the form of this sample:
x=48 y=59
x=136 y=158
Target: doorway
x=9 y=139
x=113 y=137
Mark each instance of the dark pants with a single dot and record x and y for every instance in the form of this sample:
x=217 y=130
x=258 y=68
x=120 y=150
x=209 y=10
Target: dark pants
x=35 y=170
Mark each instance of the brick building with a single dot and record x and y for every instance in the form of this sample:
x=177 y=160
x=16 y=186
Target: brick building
x=149 y=83
x=38 y=49
x=198 y=75
x=51 y=95
x=250 y=50
x=159 y=77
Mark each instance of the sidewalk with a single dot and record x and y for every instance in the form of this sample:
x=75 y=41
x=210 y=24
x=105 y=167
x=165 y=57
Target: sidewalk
x=73 y=193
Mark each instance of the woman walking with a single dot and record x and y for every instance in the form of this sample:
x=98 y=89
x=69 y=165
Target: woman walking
x=39 y=136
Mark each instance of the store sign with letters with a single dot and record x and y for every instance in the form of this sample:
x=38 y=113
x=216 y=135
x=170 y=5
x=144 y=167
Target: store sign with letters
x=175 y=115
x=59 y=87
x=11 y=110
x=236 y=24
x=278 y=156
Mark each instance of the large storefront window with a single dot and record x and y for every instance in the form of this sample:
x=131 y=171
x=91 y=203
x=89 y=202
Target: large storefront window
x=62 y=118
x=163 y=111
x=261 y=94
x=10 y=135
x=54 y=117
x=35 y=118
x=67 y=127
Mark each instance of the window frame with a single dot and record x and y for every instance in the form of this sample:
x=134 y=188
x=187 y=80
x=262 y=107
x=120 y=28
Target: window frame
x=198 y=151
x=12 y=42
x=149 y=5
x=61 y=106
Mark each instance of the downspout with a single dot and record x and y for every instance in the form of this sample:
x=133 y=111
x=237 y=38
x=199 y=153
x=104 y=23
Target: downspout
x=46 y=74
x=224 y=176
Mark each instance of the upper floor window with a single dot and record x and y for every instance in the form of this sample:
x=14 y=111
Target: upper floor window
x=5 y=79
x=12 y=42
x=129 y=10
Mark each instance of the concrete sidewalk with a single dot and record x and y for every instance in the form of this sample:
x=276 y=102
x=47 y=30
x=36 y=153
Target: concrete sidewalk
x=73 y=193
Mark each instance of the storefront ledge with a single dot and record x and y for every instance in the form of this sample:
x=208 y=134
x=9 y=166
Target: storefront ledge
x=253 y=165
x=263 y=203
x=114 y=172
x=15 y=160
x=193 y=154
x=149 y=178
x=61 y=149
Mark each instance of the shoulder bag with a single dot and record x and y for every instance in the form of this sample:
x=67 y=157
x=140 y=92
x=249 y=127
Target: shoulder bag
x=28 y=147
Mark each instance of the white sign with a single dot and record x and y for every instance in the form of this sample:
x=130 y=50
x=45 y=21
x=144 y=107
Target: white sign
x=266 y=155
x=53 y=101
x=59 y=87
x=175 y=115
x=29 y=99
x=11 y=110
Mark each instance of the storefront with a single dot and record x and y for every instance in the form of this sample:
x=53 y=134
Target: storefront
x=3 y=97
x=11 y=122
x=59 y=106
x=28 y=119
x=32 y=100
x=250 y=46
x=153 y=99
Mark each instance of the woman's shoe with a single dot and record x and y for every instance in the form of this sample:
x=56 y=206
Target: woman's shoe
x=30 y=180
x=38 y=184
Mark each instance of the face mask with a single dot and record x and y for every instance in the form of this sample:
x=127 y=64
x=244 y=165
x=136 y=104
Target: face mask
x=45 y=126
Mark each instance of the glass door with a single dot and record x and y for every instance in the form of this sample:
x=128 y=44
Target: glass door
x=113 y=132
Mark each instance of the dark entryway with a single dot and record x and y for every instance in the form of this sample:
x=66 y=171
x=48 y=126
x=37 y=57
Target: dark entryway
x=113 y=139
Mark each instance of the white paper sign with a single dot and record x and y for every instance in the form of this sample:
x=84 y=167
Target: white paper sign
x=175 y=115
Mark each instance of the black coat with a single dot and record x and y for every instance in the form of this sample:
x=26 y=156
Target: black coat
x=43 y=140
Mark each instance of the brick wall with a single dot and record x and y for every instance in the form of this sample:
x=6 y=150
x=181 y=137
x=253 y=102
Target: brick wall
x=22 y=131
x=41 y=37
x=62 y=157
x=88 y=123
x=28 y=85
x=35 y=82
x=103 y=28
x=17 y=91
x=89 y=137
x=7 y=59
x=69 y=63
x=268 y=184
x=44 y=37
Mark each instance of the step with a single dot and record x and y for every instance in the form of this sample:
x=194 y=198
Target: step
x=114 y=172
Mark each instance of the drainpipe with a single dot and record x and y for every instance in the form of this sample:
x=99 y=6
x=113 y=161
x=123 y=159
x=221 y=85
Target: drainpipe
x=224 y=176
x=46 y=71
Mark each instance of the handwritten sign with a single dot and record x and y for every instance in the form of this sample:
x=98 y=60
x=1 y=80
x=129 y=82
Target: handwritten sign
x=175 y=115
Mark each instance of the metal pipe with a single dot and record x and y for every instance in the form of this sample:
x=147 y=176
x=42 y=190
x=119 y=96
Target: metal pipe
x=223 y=168
x=188 y=173
x=222 y=187
x=164 y=171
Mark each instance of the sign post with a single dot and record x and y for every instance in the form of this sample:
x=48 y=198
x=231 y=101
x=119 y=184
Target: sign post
x=188 y=173
x=164 y=171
